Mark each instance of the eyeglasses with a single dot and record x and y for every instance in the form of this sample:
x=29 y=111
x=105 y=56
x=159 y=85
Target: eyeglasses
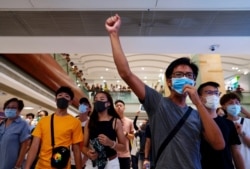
x=210 y=92
x=189 y=75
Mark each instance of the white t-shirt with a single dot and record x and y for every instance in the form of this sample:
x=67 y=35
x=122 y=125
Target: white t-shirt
x=244 y=149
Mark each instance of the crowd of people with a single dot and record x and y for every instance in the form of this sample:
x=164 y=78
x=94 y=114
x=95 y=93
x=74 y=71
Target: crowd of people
x=174 y=136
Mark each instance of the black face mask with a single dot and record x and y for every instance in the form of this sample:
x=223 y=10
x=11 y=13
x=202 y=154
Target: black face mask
x=99 y=106
x=62 y=103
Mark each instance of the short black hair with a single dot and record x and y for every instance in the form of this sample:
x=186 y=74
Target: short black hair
x=84 y=100
x=45 y=112
x=30 y=114
x=181 y=61
x=66 y=89
x=226 y=97
x=210 y=83
x=19 y=102
x=119 y=101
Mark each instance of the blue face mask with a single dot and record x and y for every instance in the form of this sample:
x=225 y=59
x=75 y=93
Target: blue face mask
x=10 y=113
x=82 y=108
x=233 y=109
x=179 y=83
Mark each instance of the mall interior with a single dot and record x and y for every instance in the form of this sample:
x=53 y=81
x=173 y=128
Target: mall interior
x=38 y=36
x=34 y=78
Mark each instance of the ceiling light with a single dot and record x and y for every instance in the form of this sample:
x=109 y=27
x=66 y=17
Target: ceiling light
x=107 y=69
x=28 y=108
x=101 y=77
x=142 y=68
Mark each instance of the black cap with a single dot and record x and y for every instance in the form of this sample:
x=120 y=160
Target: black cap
x=84 y=100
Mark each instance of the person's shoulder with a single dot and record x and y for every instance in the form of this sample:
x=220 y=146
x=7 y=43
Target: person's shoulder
x=130 y=120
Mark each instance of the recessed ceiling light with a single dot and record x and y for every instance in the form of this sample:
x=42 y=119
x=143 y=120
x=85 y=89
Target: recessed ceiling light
x=101 y=77
x=28 y=108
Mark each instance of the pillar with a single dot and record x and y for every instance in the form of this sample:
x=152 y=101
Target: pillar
x=210 y=69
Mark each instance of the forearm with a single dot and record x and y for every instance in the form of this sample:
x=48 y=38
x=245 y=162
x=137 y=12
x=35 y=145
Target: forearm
x=119 y=57
x=77 y=156
x=237 y=158
x=245 y=138
x=211 y=131
x=118 y=146
x=32 y=152
x=31 y=157
x=22 y=152
x=147 y=148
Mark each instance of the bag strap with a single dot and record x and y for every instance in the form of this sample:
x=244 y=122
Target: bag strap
x=241 y=120
x=52 y=130
x=173 y=132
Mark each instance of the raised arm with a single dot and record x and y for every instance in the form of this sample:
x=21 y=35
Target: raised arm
x=112 y=25
x=211 y=131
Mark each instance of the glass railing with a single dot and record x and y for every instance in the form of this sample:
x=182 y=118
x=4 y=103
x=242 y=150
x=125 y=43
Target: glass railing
x=64 y=64
x=127 y=96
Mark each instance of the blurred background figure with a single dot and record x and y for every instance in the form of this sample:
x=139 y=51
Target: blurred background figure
x=84 y=110
x=29 y=119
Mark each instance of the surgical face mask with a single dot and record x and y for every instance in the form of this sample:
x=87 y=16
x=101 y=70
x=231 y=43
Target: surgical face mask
x=10 y=113
x=179 y=83
x=82 y=108
x=28 y=120
x=62 y=103
x=233 y=109
x=212 y=102
x=99 y=106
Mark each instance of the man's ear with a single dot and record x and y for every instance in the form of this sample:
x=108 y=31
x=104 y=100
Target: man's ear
x=169 y=82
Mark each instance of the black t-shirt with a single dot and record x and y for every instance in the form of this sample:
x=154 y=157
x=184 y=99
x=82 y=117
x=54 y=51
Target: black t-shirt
x=222 y=159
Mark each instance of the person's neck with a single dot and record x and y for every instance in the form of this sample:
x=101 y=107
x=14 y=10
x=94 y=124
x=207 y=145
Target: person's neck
x=104 y=116
x=179 y=100
x=212 y=113
x=83 y=117
x=61 y=112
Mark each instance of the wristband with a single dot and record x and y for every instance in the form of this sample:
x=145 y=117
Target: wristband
x=146 y=158
x=113 y=146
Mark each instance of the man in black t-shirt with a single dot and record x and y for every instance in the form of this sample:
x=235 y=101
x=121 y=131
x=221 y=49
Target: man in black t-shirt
x=211 y=158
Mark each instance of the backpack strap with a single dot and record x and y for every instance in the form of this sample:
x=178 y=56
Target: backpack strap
x=172 y=133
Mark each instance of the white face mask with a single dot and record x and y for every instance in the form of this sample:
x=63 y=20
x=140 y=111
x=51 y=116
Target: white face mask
x=28 y=120
x=212 y=102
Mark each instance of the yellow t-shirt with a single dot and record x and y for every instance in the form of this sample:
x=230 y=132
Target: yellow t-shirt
x=67 y=131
